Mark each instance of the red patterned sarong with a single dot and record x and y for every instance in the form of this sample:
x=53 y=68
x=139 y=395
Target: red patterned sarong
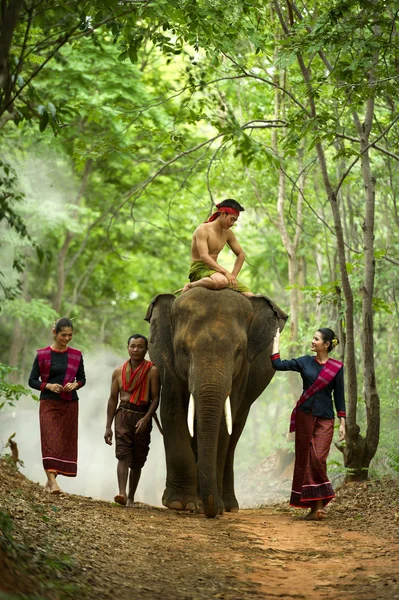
x=59 y=436
x=313 y=439
x=136 y=382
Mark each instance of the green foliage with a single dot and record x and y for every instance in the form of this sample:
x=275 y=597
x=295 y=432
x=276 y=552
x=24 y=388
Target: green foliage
x=131 y=128
x=11 y=392
x=9 y=197
x=35 y=311
x=393 y=459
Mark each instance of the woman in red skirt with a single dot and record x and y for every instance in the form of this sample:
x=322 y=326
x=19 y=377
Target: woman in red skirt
x=313 y=420
x=58 y=372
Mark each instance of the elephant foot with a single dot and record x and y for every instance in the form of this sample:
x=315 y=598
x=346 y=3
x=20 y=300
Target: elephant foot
x=178 y=502
x=233 y=509
x=231 y=504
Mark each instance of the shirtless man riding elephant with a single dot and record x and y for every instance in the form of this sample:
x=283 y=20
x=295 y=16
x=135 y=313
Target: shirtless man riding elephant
x=208 y=241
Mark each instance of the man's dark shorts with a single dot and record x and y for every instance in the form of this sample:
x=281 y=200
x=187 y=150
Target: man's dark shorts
x=128 y=443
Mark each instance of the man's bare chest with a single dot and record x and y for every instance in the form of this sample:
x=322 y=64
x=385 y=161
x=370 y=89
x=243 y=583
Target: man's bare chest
x=216 y=242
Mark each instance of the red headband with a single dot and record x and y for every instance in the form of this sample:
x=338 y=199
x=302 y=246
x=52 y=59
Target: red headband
x=225 y=209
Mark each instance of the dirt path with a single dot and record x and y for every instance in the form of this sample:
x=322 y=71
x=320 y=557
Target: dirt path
x=78 y=547
x=297 y=559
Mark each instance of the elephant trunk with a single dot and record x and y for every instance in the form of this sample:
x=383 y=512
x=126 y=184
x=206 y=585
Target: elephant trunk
x=210 y=391
x=209 y=415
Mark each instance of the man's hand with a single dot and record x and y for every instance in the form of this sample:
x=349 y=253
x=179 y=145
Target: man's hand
x=231 y=279
x=342 y=430
x=141 y=425
x=69 y=387
x=55 y=387
x=108 y=436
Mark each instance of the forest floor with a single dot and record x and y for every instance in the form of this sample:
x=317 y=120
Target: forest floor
x=68 y=546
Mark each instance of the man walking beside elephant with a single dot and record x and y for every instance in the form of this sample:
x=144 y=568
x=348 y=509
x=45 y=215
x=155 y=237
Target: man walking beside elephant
x=208 y=241
x=136 y=383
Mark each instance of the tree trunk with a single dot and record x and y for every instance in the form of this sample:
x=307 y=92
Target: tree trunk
x=352 y=435
x=370 y=393
x=9 y=16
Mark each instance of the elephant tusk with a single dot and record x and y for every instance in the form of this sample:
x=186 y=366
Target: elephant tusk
x=190 y=415
x=227 y=414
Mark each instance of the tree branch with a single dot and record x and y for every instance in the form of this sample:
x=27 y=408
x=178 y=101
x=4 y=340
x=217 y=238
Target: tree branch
x=372 y=145
x=343 y=177
x=268 y=81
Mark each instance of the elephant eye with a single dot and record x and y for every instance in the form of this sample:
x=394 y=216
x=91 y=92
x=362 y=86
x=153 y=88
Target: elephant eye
x=239 y=350
x=184 y=351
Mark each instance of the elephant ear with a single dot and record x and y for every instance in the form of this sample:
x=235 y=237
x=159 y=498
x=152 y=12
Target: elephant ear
x=266 y=318
x=159 y=315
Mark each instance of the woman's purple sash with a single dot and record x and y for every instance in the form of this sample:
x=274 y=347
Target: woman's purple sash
x=327 y=374
x=44 y=359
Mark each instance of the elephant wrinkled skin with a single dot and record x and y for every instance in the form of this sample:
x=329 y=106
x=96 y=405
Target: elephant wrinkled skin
x=211 y=344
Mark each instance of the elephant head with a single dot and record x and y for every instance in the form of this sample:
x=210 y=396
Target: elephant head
x=203 y=344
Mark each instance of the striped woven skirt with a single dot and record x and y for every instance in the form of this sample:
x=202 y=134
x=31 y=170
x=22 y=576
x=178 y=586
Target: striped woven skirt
x=59 y=436
x=313 y=437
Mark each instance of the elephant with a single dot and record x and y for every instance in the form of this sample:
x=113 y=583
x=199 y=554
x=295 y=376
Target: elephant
x=212 y=349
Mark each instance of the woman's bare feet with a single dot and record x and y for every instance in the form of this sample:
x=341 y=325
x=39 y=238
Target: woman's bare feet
x=52 y=486
x=317 y=512
x=316 y=515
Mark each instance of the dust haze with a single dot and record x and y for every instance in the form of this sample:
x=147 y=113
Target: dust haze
x=97 y=463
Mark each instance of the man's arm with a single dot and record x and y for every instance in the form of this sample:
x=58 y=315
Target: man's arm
x=154 y=383
x=238 y=251
x=111 y=407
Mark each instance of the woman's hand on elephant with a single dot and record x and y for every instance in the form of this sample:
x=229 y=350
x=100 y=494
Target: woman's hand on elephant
x=276 y=342
x=141 y=425
x=342 y=431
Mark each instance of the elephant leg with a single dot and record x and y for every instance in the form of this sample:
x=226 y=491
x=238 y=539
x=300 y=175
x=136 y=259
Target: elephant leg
x=181 y=470
x=229 y=498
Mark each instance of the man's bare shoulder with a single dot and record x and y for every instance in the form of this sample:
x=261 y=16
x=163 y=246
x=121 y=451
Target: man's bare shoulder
x=231 y=235
x=154 y=372
x=117 y=371
x=202 y=229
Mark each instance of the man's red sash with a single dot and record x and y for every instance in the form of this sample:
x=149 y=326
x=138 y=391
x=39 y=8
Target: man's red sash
x=136 y=382
x=327 y=374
